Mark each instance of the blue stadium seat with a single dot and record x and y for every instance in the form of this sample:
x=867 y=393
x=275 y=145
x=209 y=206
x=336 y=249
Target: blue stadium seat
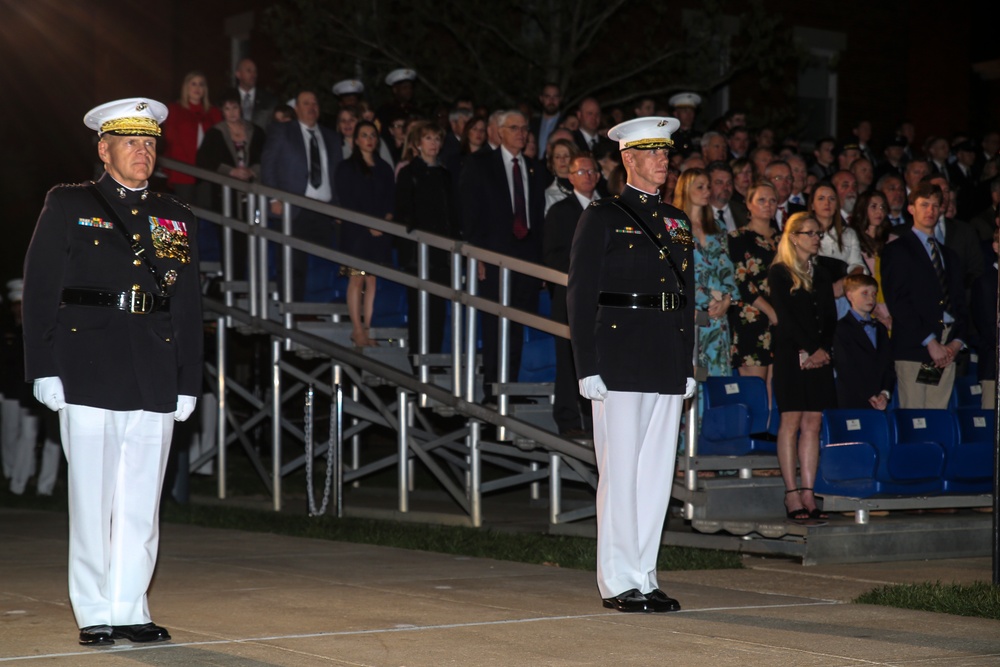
x=969 y=462
x=538 y=356
x=920 y=439
x=972 y=370
x=734 y=408
x=324 y=284
x=853 y=445
x=390 y=304
x=968 y=393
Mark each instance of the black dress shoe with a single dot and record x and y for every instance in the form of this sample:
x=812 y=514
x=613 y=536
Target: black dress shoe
x=629 y=602
x=140 y=634
x=96 y=635
x=660 y=602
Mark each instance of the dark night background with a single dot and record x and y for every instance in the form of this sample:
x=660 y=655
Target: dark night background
x=937 y=64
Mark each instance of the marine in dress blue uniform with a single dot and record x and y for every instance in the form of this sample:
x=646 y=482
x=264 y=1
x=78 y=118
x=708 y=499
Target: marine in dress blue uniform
x=113 y=342
x=630 y=298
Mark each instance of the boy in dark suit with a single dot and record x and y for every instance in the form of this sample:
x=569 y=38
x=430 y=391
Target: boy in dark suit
x=862 y=357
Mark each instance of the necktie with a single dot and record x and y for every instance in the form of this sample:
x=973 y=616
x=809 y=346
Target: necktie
x=939 y=271
x=783 y=210
x=720 y=216
x=247 y=106
x=520 y=208
x=869 y=326
x=315 y=167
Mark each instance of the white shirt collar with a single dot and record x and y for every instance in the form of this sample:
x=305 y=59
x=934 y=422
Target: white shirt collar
x=584 y=201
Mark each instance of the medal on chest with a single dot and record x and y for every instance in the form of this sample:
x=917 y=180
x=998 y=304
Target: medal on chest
x=170 y=239
x=678 y=231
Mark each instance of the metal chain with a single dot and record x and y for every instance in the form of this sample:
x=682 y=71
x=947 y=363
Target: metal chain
x=309 y=460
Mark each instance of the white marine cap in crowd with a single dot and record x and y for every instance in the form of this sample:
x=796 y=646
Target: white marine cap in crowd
x=685 y=100
x=348 y=87
x=646 y=133
x=128 y=117
x=399 y=75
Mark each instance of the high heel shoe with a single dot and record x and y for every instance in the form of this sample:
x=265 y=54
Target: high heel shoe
x=800 y=514
x=815 y=513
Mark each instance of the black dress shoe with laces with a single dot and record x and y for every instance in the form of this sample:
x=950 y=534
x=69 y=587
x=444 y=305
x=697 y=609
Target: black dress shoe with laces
x=96 y=635
x=660 y=602
x=140 y=634
x=630 y=601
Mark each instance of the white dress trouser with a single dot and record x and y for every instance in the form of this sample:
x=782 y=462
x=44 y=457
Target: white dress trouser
x=23 y=452
x=635 y=439
x=116 y=462
x=10 y=430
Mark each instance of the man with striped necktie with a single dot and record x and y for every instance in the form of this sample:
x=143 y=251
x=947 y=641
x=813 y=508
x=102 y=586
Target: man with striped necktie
x=922 y=280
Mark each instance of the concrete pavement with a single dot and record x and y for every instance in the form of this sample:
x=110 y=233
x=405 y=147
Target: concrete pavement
x=234 y=598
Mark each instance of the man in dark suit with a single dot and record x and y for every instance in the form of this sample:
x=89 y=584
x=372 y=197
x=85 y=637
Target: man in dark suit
x=957 y=234
x=570 y=414
x=824 y=163
x=301 y=157
x=800 y=176
x=586 y=136
x=729 y=215
x=779 y=173
x=892 y=186
x=113 y=342
x=503 y=209
x=256 y=104
x=862 y=354
x=452 y=144
x=963 y=178
x=922 y=280
x=938 y=151
x=631 y=315
x=542 y=126
x=893 y=158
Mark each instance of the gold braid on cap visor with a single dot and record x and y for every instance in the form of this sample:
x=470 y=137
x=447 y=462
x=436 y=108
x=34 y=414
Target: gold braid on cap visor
x=133 y=125
x=649 y=144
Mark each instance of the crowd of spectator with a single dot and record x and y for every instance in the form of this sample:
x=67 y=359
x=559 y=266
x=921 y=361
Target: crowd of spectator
x=740 y=186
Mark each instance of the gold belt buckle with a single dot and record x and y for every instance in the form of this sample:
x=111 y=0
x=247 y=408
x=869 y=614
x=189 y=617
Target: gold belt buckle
x=141 y=303
x=668 y=301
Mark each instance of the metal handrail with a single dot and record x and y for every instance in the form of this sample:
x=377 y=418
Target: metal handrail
x=462 y=292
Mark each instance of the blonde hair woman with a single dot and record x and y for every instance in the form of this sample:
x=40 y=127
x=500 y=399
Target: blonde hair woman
x=188 y=119
x=802 y=296
x=714 y=277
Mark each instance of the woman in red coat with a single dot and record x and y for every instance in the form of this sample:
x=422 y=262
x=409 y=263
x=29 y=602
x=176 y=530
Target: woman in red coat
x=187 y=122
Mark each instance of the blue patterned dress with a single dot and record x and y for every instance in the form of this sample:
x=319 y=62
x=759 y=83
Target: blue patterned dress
x=714 y=273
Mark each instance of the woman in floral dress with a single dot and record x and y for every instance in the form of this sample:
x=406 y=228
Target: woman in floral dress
x=751 y=250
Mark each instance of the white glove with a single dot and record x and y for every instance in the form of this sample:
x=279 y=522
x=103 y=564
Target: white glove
x=593 y=387
x=49 y=392
x=690 y=388
x=185 y=406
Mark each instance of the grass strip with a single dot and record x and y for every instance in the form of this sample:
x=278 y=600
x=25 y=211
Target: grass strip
x=980 y=599
x=557 y=550
x=578 y=553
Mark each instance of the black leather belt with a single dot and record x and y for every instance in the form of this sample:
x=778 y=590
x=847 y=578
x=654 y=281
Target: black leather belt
x=661 y=301
x=132 y=301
